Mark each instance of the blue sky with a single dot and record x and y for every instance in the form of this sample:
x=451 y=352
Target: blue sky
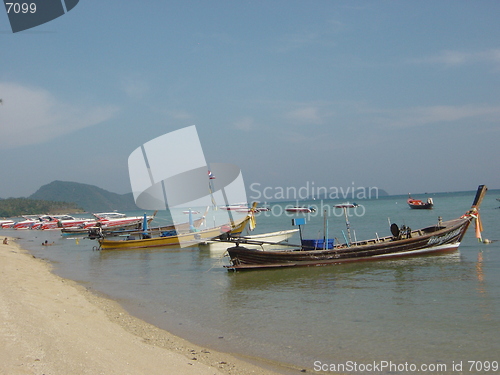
x=399 y=95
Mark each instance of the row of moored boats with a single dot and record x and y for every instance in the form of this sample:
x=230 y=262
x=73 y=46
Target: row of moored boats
x=105 y=220
x=258 y=251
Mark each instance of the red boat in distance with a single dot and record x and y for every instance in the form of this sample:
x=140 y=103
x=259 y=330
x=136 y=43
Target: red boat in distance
x=418 y=204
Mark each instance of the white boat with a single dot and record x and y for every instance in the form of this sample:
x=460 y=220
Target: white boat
x=265 y=241
x=108 y=220
x=58 y=222
x=300 y=209
x=6 y=223
x=67 y=222
x=346 y=205
x=241 y=207
x=109 y=215
x=247 y=209
x=28 y=222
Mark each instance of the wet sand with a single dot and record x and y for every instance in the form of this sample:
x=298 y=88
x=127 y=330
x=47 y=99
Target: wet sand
x=51 y=325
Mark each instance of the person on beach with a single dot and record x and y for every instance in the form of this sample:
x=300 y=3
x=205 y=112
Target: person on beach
x=46 y=243
x=5 y=241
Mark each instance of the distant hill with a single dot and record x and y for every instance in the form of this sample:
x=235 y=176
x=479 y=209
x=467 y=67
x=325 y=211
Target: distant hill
x=354 y=194
x=91 y=198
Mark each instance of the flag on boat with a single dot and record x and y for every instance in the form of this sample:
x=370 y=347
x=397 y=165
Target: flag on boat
x=252 y=222
x=479 y=228
x=210 y=188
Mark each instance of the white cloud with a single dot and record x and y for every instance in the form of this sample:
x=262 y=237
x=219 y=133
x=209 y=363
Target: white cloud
x=245 y=124
x=297 y=41
x=321 y=36
x=309 y=115
x=30 y=115
x=456 y=58
x=421 y=116
x=135 y=88
x=180 y=114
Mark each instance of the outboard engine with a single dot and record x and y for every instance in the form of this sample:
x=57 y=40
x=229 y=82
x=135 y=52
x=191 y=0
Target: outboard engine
x=226 y=236
x=400 y=233
x=95 y=233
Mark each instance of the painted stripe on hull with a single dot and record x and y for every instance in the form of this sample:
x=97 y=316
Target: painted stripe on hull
x=440 y=248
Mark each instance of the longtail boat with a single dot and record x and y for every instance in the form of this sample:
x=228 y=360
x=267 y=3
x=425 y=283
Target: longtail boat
x=445 y=236
x=185 y=239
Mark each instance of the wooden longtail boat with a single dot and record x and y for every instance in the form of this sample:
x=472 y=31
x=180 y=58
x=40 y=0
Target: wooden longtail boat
x=191 y=238
x=443 y=237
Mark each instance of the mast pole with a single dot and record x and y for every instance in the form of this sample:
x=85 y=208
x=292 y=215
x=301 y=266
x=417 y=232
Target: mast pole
x=347 y=224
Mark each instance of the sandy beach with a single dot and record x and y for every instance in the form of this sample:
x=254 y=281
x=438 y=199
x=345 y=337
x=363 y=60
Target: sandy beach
x=50 y=325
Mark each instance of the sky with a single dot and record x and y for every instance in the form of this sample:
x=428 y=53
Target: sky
x=399 y=95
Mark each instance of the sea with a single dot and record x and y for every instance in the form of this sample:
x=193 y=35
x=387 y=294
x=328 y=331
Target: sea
x=434 y=314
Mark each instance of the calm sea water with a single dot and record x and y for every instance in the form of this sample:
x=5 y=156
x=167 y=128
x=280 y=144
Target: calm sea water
x=430 y=310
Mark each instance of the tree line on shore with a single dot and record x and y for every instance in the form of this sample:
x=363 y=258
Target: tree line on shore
x=14 y=207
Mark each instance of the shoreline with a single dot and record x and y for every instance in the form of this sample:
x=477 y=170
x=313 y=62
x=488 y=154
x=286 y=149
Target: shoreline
x=53 y=325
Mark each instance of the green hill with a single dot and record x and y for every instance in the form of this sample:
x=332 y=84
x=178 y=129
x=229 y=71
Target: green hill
x=14 y=207
x=91 y=198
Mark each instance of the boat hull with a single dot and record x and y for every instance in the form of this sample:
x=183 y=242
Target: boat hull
x=423 y=206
